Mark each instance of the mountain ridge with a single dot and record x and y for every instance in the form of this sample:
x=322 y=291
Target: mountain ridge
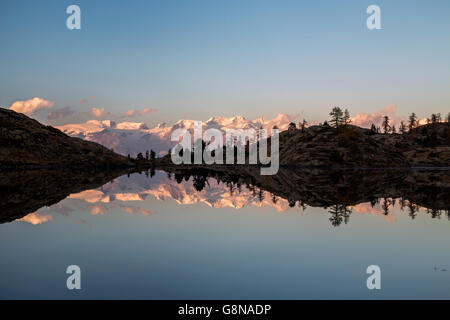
x=26 y=143
x=138 y=137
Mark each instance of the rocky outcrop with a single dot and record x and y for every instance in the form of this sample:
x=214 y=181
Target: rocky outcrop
x=323 y=146
x=325 y=188
x=23 y=192
x=355 y=147
x=26 y=143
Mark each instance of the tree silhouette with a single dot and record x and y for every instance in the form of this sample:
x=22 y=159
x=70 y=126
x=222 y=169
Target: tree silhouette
x=393 y=130
x=292 y=126
x=260 y=195
x=347 y=119
x=412 y=210
x=291 y=203
x=337 y=117
x=373 y=128
x=152 y=155
x=402 y=127
x=303 y=125
x=434 y=118
x=402 y=203
x=385 y=206
x=140 y=156
x=199 y=182
x=435 y=213
x=336 y=215
x=346 y=213
x=147 y=155
x=178 y=178
x=385 y=125
x=412 y=121
x=339 y=213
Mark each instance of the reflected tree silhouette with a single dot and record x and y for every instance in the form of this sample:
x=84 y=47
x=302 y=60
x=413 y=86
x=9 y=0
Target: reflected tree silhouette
x=336 y=192
x=339 y=213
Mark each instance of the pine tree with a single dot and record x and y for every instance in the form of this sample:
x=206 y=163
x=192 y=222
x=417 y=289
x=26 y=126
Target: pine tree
x=412 y=121
x=347 y=119
x=402 y=127
x=337 y=117
x=394 y=130
x=434 y=118
x=373 y=128
x=152 y=155
x=385 y=125
x=303 y=125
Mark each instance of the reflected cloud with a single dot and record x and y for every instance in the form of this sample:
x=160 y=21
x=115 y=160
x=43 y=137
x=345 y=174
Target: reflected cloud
x=98 y=210
x=341 y=193
x=91 y=196
x=36 y=218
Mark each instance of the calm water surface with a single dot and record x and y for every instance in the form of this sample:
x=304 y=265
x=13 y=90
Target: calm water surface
x=153 y=238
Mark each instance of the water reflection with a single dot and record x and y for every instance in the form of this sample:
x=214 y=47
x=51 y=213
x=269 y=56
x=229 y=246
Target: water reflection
x=178 y=234
x=340 y=193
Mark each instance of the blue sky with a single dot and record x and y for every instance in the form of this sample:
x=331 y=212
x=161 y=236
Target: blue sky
x=197 y=59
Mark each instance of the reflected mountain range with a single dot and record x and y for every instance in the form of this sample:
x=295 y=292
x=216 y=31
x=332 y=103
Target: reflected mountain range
x=341 y=192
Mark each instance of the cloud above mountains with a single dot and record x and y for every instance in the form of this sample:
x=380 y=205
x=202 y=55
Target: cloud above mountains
x=133 y=112
x=365 y=120
x=30 y=106
x=99 y=113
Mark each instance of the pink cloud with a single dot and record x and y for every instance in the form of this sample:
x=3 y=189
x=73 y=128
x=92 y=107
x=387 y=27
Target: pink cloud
x=99 y=113
x=147 y=110
x=365 y=120
x=82 y=101
x=134 y=112
x=31 y=106
x=98 y=210
x=36 y=218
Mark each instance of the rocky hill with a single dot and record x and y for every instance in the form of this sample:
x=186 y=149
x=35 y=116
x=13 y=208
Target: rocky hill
x=25 y=191
x=354 y=147
x=26 y=143
x=351 y=146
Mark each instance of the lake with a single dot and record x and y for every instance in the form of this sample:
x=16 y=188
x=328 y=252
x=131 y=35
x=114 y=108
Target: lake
x=163 y=235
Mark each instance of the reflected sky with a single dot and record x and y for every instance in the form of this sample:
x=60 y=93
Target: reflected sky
x=153 y=238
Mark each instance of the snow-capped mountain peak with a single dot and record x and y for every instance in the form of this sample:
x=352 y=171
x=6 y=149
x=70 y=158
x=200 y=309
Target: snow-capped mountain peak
x=134 y=137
